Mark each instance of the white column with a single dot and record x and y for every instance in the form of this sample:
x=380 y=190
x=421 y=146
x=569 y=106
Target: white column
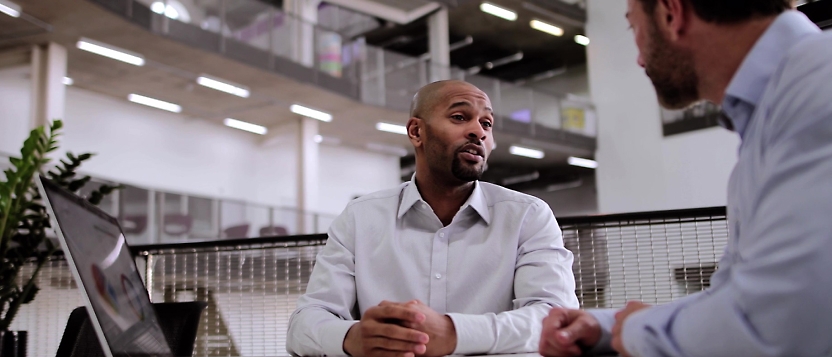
x=304 y=17
x=49 y=62
x=307 y=197
x=438 y=42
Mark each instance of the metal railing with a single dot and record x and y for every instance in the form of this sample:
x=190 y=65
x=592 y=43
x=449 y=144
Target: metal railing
x=251 y=285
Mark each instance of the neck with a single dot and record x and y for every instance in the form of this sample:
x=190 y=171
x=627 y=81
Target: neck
x=445 y=197
x=724 y=47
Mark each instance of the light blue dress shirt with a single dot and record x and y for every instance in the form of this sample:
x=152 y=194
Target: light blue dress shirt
x=772 y=294
x=496 y=270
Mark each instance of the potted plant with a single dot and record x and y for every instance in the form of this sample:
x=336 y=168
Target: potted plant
x=24 y=224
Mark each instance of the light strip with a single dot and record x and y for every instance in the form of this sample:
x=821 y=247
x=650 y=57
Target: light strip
x=498 y=11
x=521 y=151
x=221 y=86
x=158 y=104
x=68 y=81
x=249 y=127
x=110 y=51
x=582 y=40
x=577 y=161
x=392 y=128
x=310 y=113
x=10 y=8
x=547 y=28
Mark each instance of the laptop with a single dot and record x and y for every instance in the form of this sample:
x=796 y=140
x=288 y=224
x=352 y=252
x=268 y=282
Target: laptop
x=113 y=291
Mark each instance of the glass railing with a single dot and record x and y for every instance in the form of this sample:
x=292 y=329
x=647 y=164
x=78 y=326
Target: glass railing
x=150 y=216
x=259 y=34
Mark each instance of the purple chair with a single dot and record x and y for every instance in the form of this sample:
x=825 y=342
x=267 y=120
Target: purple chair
x=177 y=224
x=238 y=231
x=273 y=231
x=134 y=224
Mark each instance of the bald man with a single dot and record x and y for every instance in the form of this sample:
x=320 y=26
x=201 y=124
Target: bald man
x=443 y=264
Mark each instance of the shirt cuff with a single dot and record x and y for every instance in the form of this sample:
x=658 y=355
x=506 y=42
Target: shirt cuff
x=332 y=335
x=606 y=319
x=474 y=334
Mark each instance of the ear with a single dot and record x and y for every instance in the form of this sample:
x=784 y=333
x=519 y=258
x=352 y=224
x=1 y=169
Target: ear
x=671 y=18
x=414 y=131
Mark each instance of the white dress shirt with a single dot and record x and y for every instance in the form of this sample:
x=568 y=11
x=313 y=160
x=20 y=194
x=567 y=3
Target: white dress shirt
x=496 y=270
x=772 y=294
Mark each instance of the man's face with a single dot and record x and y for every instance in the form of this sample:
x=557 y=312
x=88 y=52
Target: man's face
x=670 y=68
x=458 y=137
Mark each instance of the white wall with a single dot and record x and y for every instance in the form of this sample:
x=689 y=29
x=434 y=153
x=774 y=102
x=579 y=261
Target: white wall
x=15 y=108
x=639 y=169
x=346 y=173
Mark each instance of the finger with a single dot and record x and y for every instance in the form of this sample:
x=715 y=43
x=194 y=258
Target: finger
x=395 y=311
x=392 y=331
x=385 y=353
x=576 y=331
x=395 y=345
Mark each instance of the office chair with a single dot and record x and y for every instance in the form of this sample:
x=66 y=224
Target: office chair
x=273 y=231
x=238 y=231
x=179 y=321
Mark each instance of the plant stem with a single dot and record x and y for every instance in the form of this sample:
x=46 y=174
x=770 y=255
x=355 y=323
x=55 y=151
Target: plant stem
x=16 y=303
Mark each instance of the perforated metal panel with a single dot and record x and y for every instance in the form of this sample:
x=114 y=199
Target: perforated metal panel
x=252 y=285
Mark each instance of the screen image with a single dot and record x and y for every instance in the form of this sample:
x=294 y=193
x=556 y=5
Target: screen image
x=108 y=273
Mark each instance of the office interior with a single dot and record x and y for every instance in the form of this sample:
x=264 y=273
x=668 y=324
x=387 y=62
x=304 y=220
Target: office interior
x=240 y=129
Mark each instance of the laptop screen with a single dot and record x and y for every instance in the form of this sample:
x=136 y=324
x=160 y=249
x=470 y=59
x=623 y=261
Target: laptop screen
x=96 y=248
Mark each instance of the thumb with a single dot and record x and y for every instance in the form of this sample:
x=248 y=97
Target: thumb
x=578 y=330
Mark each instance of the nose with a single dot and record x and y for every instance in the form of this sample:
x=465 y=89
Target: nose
x=476 y=131
x=640 y=61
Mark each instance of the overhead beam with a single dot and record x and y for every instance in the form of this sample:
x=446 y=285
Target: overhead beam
x=386 y=12
x=559 y=11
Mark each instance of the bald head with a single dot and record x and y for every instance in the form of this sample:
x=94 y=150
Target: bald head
x=429 y=97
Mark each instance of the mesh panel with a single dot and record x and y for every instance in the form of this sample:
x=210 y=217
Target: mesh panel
x=252 y=288
x=654 y=260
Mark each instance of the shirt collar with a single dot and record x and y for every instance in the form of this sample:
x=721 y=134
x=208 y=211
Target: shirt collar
x=477 y=200
x=747 y=86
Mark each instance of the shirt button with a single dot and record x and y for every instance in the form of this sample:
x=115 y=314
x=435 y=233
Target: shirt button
x=438 y=276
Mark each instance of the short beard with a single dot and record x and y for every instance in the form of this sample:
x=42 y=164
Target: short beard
x=672 y=72
x=466 y=174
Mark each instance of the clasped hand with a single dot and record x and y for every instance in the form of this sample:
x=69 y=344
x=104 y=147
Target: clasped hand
x=401 y=330
x=568 y=333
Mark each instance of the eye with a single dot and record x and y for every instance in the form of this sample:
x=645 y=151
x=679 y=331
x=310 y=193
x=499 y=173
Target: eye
x=459 y=117
x=487 y=124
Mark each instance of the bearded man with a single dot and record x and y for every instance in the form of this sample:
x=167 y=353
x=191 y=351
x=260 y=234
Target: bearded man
x=443 y=264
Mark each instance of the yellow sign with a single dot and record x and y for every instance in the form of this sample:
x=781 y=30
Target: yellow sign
x=573 y=119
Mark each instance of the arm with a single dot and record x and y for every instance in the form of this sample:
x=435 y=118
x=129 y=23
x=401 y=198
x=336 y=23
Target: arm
x=775 y=298
x=543 y=278
x=323 y=315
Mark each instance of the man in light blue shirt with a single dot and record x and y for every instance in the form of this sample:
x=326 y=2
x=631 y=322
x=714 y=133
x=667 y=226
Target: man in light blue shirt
x=771 y=68
x=441 y=264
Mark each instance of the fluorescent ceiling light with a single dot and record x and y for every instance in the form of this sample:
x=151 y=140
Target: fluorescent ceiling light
x=110 y=51
x=547 y=28
x=392 y=128
x=521 y=151
x=158 y=104
x=159 y=8
x=221 y=86
x=582 y=40
x=310 y=113
x=249 y=127
x=9 y=8
x=577 y=161
x=68 y=81
x=498 y=11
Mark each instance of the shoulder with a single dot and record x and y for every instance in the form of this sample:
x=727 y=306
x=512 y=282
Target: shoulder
x=807 y=64
x=497 y=195
x=384 y=197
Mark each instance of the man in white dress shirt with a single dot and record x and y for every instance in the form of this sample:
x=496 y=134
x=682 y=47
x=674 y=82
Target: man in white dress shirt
x=443 y=264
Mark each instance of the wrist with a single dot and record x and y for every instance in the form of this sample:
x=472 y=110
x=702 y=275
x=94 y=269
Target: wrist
x=352 y=341
x=450 y=335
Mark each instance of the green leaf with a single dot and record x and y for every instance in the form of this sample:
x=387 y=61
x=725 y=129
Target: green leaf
x=27 y=298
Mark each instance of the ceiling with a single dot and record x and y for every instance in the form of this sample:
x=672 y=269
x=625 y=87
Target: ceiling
x=495 y=38
x=172 y=68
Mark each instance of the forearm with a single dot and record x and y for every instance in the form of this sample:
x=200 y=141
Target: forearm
x=313 y=331
x=516 y=331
